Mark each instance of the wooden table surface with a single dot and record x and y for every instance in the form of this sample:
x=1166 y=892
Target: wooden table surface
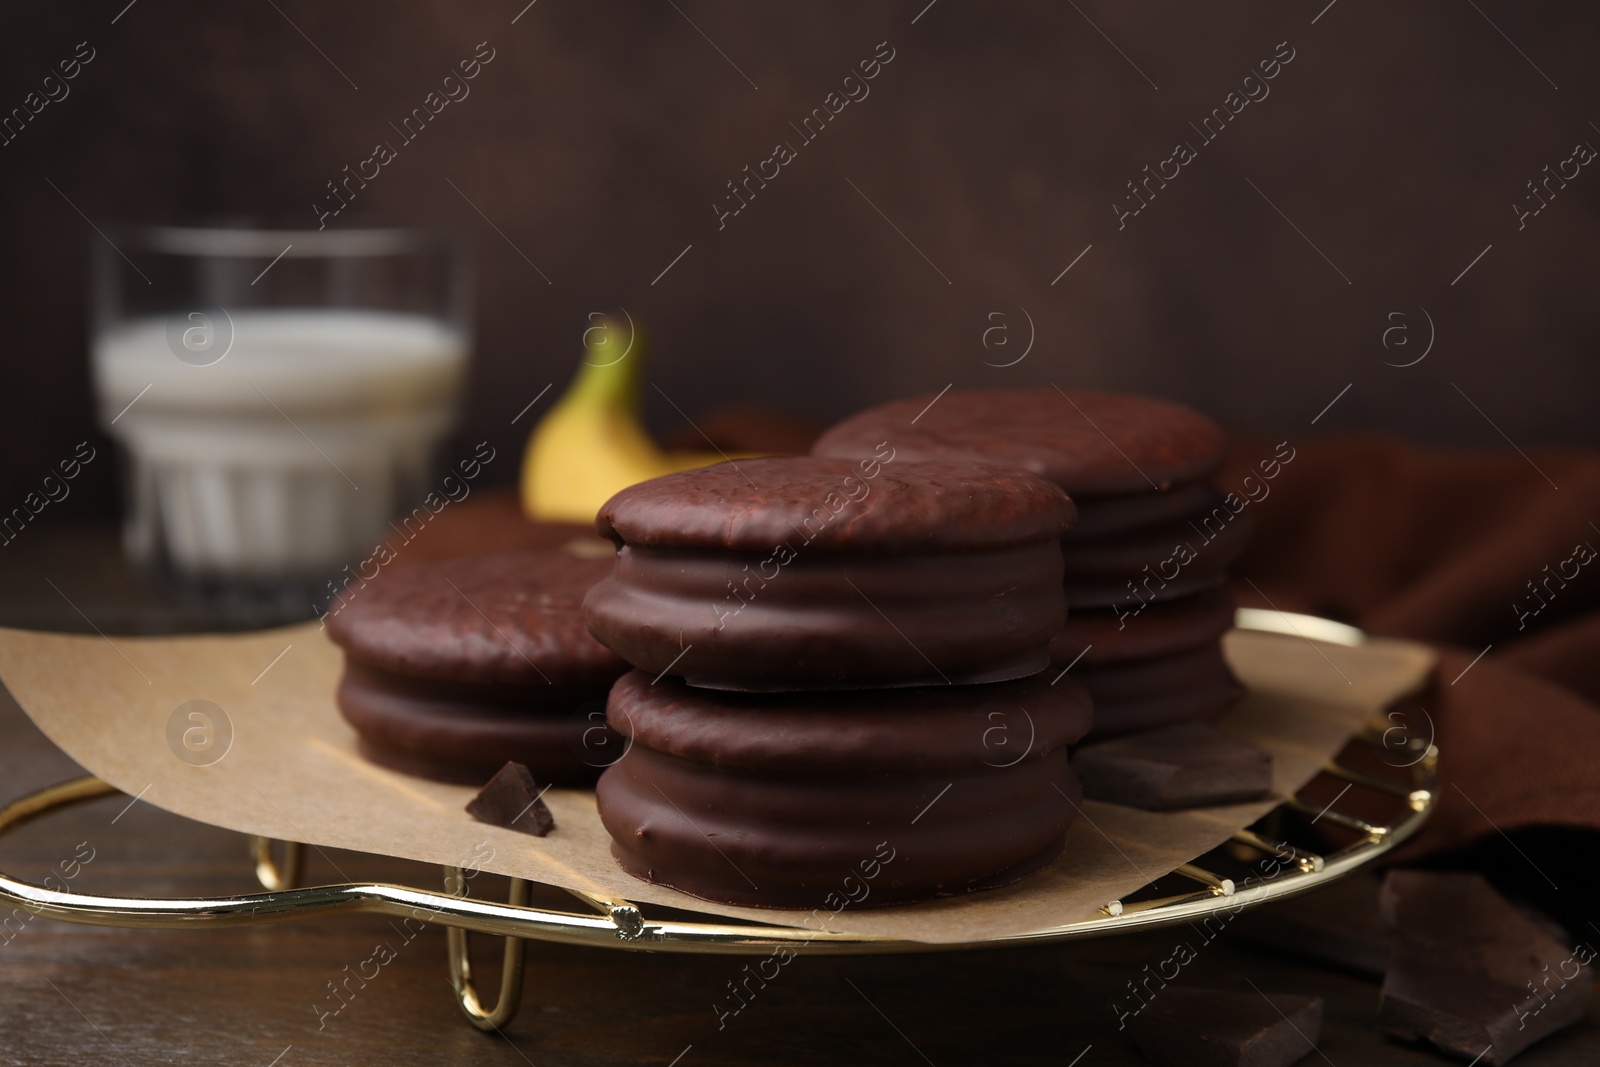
x=74 y=994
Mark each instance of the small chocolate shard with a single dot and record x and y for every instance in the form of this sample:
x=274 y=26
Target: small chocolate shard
x=1184 y=1027
x=1471 y=973
x=1183 y=766
x=513 y=801
x=1340 y=925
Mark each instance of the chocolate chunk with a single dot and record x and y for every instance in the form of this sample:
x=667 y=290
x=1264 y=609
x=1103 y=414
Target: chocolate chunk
x=1217 y=1028
x=1471 y=973
x=512 y=800
x=1338 y=925
x=1181 y=766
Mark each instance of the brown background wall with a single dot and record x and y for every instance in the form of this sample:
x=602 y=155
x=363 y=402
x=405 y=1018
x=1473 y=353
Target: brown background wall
x=997 y=139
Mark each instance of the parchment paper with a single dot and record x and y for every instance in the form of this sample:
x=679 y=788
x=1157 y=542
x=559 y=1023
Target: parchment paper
x=292 y=771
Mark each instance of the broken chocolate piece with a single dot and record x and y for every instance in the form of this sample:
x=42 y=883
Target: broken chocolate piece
x=1221 y=1028
x=1183 y=766
x=1338 y=925
x=512 y=800
x=1472 y=974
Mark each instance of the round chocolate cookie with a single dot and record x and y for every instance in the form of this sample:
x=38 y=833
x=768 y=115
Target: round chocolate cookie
x=511 y=618
x=1090 y=443
x=1144 y=694
x=453 y=668
x=801 y=573
x=879 y=798
x=1096 y=638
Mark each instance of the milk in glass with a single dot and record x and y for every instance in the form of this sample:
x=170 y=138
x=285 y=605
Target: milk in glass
x=287 y=455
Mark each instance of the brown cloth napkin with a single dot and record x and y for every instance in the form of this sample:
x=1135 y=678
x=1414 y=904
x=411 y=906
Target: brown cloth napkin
x=1476 y=553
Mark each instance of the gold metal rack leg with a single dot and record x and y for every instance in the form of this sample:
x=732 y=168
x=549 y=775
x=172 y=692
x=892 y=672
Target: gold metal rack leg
x=272 y=875
x=460 y=949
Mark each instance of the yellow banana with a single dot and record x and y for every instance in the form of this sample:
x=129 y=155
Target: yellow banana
x=591 y=443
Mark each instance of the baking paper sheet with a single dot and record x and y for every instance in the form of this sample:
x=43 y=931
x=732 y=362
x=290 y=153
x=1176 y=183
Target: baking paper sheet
x=291 y=770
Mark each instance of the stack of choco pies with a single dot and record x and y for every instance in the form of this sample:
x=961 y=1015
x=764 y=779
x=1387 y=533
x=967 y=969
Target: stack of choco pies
x=1145 y=565
x=840 y=686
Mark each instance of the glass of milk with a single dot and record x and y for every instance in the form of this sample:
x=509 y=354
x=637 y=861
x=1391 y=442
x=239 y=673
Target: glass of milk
x=277 y=396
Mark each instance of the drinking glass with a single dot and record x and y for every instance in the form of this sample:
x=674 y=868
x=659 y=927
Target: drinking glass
x=276 y=396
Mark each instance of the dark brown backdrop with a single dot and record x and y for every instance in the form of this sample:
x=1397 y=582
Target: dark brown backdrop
x=996 y=141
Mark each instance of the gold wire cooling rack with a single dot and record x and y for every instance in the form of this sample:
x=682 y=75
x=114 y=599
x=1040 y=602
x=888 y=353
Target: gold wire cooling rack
x=620 y=924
